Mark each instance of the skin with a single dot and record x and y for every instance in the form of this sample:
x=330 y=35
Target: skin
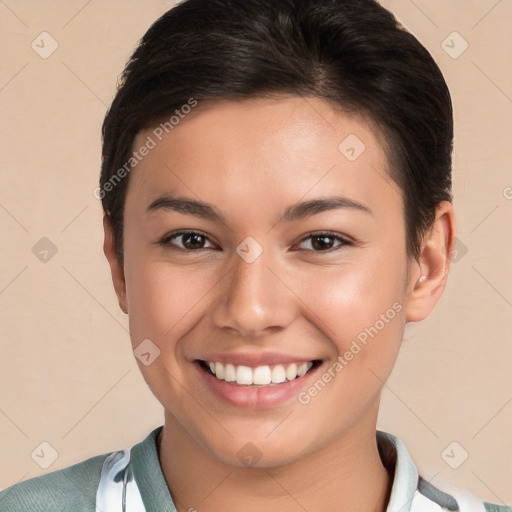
x=251 y=160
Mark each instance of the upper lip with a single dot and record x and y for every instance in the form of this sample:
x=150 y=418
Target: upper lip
x=256 y=359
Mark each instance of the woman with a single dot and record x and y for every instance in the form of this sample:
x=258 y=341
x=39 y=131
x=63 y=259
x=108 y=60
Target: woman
x=276 y=183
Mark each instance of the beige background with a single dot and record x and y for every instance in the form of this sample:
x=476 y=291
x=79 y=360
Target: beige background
x=67 y=373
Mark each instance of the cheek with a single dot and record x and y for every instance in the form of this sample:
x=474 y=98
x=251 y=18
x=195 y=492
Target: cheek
x=160 y=298
x=366 y=346
x=350 y=299
x=161 y=302
x=361 y=311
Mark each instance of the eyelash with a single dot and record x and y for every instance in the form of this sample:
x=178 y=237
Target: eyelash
x=166 y=241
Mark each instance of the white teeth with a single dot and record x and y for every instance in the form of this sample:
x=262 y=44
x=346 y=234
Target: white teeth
x=230 y=373
x=303 y=368
x=259 y=376
x=243 y=374
x=278 y=374
x=219 y=370
x=291 y=371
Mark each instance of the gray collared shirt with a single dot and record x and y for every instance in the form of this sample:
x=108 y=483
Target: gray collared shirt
x=132 y=480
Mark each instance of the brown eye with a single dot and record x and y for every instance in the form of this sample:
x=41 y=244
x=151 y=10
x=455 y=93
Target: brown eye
x=323 y=242
x=190 y=241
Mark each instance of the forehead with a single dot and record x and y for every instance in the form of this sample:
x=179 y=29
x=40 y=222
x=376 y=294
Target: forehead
x=239 y=153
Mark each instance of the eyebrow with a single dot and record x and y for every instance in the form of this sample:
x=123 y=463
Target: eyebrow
x=296 y=211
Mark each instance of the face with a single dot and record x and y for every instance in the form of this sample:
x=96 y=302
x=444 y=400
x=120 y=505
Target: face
x=260 y=286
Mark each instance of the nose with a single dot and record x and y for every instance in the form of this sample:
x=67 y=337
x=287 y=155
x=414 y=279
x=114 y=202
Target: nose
x=254 y=298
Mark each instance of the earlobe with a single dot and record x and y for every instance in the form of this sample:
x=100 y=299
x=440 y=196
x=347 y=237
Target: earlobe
x=428 y=277
x=116 y=269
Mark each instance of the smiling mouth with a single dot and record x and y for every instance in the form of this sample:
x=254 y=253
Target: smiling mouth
x=261 y=376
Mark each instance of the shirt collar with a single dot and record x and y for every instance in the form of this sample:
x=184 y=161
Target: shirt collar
x=152 y=484
x=157 y=498
x=398 y=462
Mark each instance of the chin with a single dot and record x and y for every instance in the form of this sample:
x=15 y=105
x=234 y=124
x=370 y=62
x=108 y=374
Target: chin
x=259 y=453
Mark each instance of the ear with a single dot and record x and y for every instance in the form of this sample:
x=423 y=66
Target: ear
x=115 y=266
x=429 y=272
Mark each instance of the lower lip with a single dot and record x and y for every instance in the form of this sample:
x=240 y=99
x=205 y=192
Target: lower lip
x=254 y=397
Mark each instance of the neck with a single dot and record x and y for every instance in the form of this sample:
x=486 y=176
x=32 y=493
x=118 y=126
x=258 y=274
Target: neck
x=345 y=475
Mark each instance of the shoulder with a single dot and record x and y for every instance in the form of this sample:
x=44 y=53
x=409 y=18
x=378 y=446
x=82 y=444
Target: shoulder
x=72 y=488
x=431 y=498
x=411 y=492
